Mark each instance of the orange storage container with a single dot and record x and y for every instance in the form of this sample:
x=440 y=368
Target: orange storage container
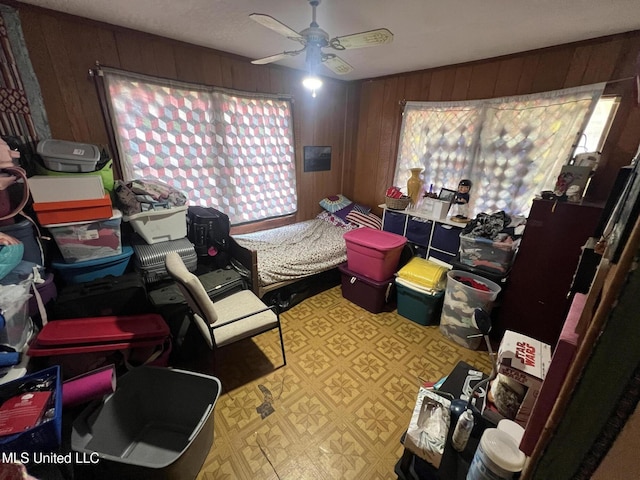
x=73 y=211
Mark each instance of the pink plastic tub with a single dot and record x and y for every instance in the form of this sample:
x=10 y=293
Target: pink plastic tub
x=373 y=253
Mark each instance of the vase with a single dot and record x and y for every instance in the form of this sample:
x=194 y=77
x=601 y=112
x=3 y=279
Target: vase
x=414 y=184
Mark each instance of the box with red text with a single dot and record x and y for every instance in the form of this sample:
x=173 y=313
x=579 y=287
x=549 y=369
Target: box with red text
x=525 y=361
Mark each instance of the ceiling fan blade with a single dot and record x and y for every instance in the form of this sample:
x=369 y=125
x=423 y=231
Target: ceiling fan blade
x=277 y=26
x=336 y=64
x=276 y=57
x=362 y=39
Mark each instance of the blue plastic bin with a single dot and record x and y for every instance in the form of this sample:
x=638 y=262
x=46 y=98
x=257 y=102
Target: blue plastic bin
x=47 y=436
x=86 y=271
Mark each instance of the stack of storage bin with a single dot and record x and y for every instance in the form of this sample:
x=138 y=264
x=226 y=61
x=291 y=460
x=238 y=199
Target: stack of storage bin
x=75 y=207
x=420 y=285
x=60 y=157
x=372 y=260
x=158 y=216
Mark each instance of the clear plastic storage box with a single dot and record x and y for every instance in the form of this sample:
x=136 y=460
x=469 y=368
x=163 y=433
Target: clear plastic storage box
x=486 y=254
x=64 y=156
x=81 y=241
x=156 y=226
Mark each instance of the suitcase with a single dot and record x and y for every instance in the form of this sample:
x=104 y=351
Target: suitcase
x=209 y=231
x=149 y=259
x=169 y=302
x=84 y=344
x=111 y=295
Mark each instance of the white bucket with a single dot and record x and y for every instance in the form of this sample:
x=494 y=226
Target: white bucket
x=497 y=457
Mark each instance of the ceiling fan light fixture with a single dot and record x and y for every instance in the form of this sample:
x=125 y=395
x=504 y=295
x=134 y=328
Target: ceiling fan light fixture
x=314 y=39
x=312 y=82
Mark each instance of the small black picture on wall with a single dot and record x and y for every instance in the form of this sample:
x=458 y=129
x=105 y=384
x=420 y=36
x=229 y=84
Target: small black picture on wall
x=317 y=159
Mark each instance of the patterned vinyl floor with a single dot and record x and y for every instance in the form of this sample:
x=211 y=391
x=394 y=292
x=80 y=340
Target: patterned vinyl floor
x=338 y=408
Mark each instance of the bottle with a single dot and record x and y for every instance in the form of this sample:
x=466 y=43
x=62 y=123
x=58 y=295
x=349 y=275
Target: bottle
x=463 y=429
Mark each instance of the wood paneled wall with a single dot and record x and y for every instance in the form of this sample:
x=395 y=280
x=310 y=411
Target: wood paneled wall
x=607 y=59
x=360 y=120
x=63 y=48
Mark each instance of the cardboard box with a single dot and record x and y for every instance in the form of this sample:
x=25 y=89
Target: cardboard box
x=525 y=360
x=435 y=208
x=65 y=188
x=54 y=213
x=429 y=426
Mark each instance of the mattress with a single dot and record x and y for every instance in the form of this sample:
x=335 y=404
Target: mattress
x=298 y=250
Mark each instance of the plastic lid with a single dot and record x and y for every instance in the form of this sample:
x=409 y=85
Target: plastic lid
x=424 y=272
x=418 y=288
x=512 y=428
x=501 y=448
x=376 y=239
x=156 y=213
x=343 y=267
x=84 y=331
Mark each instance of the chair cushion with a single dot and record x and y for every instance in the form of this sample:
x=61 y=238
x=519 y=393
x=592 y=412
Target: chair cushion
x=237 y=305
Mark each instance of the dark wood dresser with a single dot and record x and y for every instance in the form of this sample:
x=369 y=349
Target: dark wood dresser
x=536 y=298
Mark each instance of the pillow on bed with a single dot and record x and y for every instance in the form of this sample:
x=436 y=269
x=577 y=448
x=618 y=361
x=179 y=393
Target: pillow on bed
x=362 y=208
x=343 y=212
x=334 y=203
x=365 y=220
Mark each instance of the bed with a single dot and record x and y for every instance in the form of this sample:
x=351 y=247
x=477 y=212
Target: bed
x=280 y=256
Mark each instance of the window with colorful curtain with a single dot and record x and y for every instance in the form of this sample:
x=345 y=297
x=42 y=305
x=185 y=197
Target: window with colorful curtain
x=512 y=148
x=230 y=150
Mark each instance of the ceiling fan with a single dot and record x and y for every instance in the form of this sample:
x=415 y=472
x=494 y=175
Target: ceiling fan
x=314 y=39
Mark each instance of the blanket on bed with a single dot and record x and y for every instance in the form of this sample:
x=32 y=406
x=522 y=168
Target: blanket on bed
x=297 y=250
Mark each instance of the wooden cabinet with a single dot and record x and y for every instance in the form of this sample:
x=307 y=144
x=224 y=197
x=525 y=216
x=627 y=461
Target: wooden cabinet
x=536 y=300
x=432 y=238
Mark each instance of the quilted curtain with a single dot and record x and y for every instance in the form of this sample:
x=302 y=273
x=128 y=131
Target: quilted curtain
x=512 y=148
x=233 y=151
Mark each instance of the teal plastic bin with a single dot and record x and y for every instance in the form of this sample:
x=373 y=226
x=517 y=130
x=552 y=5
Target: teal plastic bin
x=88 y=270
x=418 y=304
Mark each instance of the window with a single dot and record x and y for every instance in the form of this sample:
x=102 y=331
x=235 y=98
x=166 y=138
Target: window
x=511 y=148
x=233 y=151
x=596 y=131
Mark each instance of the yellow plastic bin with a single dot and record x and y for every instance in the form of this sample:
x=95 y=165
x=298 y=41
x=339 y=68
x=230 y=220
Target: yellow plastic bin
x=425 y=273
x=465 y=293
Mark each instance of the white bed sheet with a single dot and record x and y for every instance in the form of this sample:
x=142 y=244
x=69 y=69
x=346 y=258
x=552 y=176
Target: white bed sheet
x=297 y=250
